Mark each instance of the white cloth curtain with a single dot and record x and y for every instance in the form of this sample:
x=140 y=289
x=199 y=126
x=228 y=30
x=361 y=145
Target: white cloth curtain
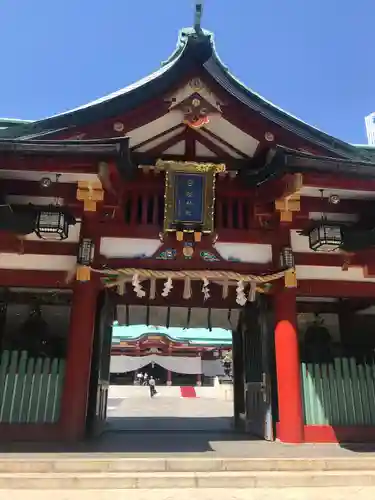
x=181 y=364
x=124 y=364
x=212 y=368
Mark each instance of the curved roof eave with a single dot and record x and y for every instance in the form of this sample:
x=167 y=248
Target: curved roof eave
x=8 y=122
x=192 y=49
x=220 y=72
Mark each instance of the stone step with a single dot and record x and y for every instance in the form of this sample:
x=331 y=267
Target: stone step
x=180 y=480
x=111 y=464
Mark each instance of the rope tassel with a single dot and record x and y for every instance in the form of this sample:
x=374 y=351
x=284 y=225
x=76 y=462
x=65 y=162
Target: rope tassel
x=241 y=297
x=138 y=290
x=205 y=289
x=167 y=287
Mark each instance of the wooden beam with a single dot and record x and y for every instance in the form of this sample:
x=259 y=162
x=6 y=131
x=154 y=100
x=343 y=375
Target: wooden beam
x=359 y=259
x=220 y=153
x=178 y=264
x=350 y=304
x=149 y=159
x=168 y=143
x=53 y=163
x=115 y=229
x=336 y=289
x=10 y=243
x=38 y=279
x=320 y=259
x=346 y=206
x=225 y=143
x=318 y=307
x=151 y=182
x=157 y=136
x=110 y=228
x=15 y=187
x=190 y=144
x=254 y=236
x=336 y=182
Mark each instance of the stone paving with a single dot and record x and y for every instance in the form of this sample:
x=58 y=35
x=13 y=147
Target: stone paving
x=365 y=493
x=164 y=413
x=179 y=426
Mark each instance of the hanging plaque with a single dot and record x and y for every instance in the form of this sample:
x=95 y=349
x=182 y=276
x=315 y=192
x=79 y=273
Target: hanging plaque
x=189 y=195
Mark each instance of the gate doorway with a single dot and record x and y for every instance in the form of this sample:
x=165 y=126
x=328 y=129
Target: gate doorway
x=252 y=409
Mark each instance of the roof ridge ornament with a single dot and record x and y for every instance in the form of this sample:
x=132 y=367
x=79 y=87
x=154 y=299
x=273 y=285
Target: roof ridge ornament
x=198 y=12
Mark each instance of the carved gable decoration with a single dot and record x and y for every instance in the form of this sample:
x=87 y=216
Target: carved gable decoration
x=196 y=110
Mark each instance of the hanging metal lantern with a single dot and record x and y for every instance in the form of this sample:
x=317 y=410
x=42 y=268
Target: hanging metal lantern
x=52 y=224
x=286 y=258
x=325 y=238
x=86 y=252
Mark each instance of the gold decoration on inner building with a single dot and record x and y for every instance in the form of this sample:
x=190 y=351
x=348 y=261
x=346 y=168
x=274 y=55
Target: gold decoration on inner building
x=90 y=192
x=189 y=196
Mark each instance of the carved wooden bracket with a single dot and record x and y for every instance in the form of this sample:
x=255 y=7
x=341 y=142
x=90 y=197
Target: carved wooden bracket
x=90 y=192
x=290 y=202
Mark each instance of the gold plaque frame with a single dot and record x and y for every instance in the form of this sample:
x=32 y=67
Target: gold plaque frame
x=209 y=170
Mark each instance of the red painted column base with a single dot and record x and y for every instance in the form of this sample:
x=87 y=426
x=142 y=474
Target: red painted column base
x=290 y=428
x=78 y=363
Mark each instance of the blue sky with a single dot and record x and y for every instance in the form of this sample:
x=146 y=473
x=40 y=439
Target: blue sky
x=314 y=59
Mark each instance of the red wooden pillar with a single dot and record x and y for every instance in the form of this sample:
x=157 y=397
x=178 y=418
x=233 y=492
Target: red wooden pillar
x=290 y=428
x=78 y=363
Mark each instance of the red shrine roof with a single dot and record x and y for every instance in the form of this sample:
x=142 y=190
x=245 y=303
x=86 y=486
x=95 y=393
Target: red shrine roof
x=195 y=52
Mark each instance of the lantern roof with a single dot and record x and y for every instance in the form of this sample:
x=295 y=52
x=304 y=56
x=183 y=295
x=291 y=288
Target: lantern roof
x=195 y=50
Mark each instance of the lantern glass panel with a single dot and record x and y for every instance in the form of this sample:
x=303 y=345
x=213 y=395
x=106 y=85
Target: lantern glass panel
x=52 y=225
x=86 y=252
x=325 y=238
x=287 y=258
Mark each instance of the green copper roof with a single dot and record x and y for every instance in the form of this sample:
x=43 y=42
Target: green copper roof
x=12 y=122
x=195 y=49
x=192 y=336
x=367 y=149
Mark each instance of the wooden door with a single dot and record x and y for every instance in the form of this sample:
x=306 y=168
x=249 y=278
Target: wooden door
x=257 y=331
x=100 y=365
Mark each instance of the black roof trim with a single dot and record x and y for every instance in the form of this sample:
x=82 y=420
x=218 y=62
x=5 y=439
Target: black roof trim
x=108 y=147
x=288 y=161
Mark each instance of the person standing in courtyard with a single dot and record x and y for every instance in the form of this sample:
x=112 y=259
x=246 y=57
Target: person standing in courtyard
x=140 y=378
x=152 y=384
